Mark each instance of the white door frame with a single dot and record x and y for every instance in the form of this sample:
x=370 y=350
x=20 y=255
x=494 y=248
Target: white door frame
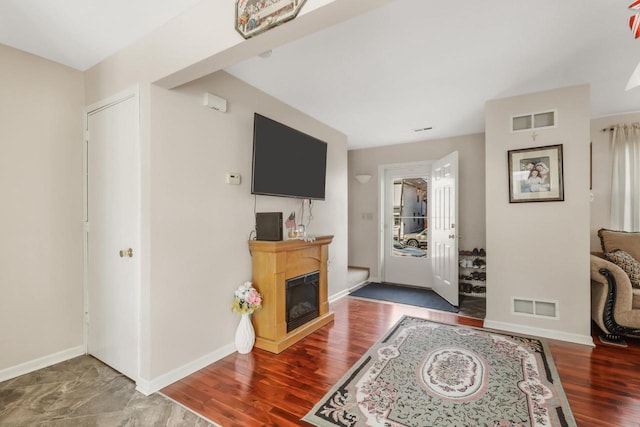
x=382 y=174
x=132 y=92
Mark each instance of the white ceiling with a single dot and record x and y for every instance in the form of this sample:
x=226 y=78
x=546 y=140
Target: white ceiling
x=407 y=65
x=418 y=63
x=81 y=33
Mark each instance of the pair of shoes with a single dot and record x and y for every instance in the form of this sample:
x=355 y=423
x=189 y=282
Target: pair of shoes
x=475 y=252
x=479 y=289
x=481 y=276
x=479 y=263
x=463 y=252
x=482 y=252
x=466 y=263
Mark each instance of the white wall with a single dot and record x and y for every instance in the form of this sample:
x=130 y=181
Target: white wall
x=41 y=278
x=540 y=250
x=601 y=145
x=200 y=225
x=363 y=198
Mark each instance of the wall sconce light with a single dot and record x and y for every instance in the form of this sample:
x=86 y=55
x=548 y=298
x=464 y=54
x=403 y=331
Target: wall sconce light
x=363 y=178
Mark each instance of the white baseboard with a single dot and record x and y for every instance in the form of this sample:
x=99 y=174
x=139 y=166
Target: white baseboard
x=148 y=387
x=43 y=362
x=335 y=297
x=539 y=332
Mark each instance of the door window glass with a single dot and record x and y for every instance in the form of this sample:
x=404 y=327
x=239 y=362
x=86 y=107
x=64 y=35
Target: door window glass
x=410 y=228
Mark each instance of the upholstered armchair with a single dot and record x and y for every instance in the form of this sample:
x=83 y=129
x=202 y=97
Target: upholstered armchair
x=615 y=299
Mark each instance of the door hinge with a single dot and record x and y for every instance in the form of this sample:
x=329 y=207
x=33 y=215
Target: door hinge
x=86 y=135
x=86 y=317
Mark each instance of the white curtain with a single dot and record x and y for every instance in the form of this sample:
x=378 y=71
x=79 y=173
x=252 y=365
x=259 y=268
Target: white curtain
x=625 y=182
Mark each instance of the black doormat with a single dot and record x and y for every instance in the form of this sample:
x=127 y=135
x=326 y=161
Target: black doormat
x=404 y=295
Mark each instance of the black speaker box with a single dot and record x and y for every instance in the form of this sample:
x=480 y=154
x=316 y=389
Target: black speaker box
x=269 y=226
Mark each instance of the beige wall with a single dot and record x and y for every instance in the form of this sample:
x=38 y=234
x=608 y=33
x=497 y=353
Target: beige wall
x=41 y=279
x=200 y=225
x=540 y=250
x=197 y=43
x=41 y=106
x=363 y=198
x=601 y=145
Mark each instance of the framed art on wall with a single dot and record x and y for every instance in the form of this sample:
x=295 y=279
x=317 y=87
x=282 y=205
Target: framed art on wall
x=256 y=16
x=535 y=174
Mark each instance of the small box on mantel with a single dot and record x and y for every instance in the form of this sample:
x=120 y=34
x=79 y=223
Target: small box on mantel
x=269 y=226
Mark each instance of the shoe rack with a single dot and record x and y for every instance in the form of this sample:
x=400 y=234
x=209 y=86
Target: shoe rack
x=472 y=277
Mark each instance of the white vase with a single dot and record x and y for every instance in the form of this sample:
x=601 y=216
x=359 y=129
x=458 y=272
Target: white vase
x=245 y=335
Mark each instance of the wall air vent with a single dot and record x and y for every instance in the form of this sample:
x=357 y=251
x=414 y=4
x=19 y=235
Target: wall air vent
x=532 y=121
x=529 y=307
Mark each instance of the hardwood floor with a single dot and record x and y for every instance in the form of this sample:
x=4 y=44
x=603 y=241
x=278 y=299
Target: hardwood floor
x=602 y=384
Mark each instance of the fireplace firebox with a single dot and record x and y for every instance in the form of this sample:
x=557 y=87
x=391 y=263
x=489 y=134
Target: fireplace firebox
x=302 y=299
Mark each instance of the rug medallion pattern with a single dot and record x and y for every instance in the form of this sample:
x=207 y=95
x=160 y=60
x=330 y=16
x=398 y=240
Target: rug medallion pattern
x=424 y=373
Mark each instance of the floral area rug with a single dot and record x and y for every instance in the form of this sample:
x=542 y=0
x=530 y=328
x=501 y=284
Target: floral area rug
x=424 y=373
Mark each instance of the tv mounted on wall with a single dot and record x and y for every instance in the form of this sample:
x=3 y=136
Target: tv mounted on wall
x=287 y=162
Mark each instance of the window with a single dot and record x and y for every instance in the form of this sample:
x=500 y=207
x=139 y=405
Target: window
x=410 y=214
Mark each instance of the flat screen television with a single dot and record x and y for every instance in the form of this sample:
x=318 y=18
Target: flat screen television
x=287 y=162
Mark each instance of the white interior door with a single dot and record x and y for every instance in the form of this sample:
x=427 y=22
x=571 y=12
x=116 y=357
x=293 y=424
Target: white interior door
x=113 y=230
x=444 y=227
x=406 y=235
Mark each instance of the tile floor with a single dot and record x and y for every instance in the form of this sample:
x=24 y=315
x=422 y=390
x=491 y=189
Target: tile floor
x=85 y=392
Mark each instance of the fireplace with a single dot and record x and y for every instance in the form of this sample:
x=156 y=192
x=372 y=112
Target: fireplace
x=302 y=299
x=276 y=262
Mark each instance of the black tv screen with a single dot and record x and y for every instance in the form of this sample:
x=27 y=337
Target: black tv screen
x=287 y=162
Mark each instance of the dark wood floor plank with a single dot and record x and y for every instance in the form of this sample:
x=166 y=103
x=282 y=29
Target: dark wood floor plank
x=602 y=384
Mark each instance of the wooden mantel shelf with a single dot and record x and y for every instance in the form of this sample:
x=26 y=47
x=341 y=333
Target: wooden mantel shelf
x=273 y=264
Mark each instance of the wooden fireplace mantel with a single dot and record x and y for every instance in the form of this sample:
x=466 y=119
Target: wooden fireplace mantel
x=273 y=264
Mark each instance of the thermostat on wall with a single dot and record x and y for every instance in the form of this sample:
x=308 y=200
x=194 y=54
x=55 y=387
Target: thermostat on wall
x=233 y=178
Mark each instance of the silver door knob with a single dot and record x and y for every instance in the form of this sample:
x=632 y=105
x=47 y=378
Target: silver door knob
x=127 y=252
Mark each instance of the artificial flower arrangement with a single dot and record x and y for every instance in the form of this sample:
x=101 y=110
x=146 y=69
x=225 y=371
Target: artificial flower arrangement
x=247 y=299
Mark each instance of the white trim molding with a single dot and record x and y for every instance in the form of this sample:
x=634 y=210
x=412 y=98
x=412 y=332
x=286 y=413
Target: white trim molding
x=335 y=297
x=148 y=387
x=344 y=293
x=43 y=362
x=539 y=332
